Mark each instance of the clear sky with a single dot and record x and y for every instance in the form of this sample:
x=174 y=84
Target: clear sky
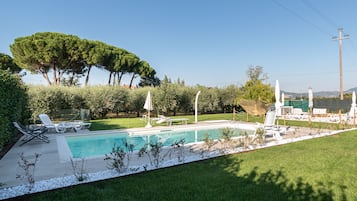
x=206 y=42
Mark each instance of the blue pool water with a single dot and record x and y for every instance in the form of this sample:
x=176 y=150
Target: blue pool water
x=98 y=145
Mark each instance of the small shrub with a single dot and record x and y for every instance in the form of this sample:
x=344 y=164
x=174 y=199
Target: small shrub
x=29 y=169
x=226 y=140
x=259 y=133
x=154 y=152
x=79 y=172
x=120 y=157
x=207 y=146
x=116 y=158
x=178 y=149
x=245 y=141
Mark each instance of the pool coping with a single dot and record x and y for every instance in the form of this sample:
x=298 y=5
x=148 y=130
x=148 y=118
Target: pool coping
x=65 y=155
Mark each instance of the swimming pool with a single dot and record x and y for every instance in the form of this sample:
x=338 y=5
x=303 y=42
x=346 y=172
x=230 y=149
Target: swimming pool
x=99 y=145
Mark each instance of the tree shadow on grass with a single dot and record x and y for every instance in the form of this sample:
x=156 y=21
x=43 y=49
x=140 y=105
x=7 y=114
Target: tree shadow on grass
x=214 y=179
x=275 y=185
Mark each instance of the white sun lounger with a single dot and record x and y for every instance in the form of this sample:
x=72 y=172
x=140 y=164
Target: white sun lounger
x=62 y=126
x=179 y=120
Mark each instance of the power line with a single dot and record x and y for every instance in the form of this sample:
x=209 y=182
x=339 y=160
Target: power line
x=327 y=19
x=318 y=12
x=301 y=18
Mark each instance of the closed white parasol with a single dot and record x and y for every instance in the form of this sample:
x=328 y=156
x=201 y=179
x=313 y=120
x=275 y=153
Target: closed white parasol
x=277 y=98
x=311 y=102
x=353 y=106
x=148 y=106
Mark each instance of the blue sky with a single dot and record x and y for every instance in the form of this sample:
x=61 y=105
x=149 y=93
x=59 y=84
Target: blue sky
x=207 y=42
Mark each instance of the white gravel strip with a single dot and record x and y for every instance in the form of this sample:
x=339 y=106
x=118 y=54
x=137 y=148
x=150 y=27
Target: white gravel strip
x=60 y=182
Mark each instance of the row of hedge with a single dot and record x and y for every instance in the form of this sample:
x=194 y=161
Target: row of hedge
x=13 y=105
x=167 y=99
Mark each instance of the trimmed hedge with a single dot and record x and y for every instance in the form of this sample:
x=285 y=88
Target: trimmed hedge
x=13 y=105
x=100 y=100
x=168 y=99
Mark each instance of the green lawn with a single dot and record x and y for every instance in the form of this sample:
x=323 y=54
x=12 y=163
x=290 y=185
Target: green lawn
x=318 y=169
x=119 y=123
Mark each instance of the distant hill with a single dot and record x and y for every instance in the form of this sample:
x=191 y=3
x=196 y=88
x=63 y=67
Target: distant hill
x=320 y=93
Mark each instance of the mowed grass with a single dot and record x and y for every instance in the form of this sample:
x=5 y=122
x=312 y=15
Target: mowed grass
x=318 y=169
x=122 y=123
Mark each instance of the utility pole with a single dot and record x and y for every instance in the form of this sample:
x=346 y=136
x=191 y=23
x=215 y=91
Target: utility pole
x=340 y=38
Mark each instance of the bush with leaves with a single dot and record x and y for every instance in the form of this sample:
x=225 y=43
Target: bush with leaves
x=169 y=98
x=104 y=99
x=178 y=148
x=259 y=135
x=120 y=157
x=155 y=153
x=226 y=140
x=207 y=145
x=245 y=141
x=13 y=105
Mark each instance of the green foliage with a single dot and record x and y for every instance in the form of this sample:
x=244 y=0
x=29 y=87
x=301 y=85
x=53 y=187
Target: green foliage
x=255 y=89
x=227 y=143
x=169 y=99
x=42 y=52
x=166 y=97
x=13 y=105
x=100 y=100
x=258 y=91
x=52 y=100
x=152 y=81
x=178 y=148
x=119 y=158
x=137 y=100
x=260 y=135
x=104 y=99
x=7 y=63
x=209 y=100
x=68 y=55
x=155 y=153
x=207 y=146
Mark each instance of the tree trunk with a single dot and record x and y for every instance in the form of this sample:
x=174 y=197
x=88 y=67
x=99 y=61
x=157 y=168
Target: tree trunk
x=114 y=78
x=59 y=75
x=45 y=75
x=71 y=83
x=120 y=77
x=110 y=77
x=131 y=81
x=54 y=74
x=87 y=77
